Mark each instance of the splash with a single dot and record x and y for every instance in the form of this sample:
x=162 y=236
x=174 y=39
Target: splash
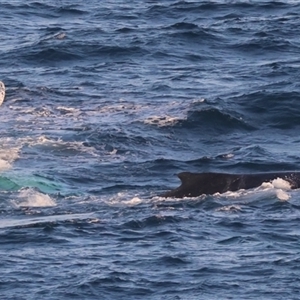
x=32 y=198
x=280 y=186
x=2 y=92
x=282 y=195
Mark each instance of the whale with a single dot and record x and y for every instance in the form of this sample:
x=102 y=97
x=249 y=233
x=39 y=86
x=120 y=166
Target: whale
x=196 y=184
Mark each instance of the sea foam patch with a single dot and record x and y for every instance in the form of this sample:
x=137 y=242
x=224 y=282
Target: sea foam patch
x=162 y=121
x=124 y=199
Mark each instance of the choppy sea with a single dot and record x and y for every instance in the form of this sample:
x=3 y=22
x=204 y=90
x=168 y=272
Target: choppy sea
x=105 y=103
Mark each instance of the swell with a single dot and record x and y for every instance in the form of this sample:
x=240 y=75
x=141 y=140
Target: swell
x=40 y=9
x=216 y=7
x=191 y=32
x=271 y=109
x=74 y=52
x=214 y=119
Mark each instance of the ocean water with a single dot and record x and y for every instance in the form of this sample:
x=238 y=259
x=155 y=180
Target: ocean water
x=105 y=103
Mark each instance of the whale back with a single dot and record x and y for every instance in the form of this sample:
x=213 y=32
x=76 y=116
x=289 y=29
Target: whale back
x=196 y=184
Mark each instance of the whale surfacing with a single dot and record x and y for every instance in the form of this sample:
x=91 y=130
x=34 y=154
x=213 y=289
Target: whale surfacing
x=2 y=92
x=196 y=184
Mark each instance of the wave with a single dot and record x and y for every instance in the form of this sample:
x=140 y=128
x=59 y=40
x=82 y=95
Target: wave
x=16 y=180
x=266 y=44
x=50 y=55
x=41 y=9
x=43 y=221
x=216 y=7
x=191 y=33
x=76 y=52
x=155 y=220
x=215 y=119
x=182 y=26
x=212 y=119
x=272 y=109
x=7 y=184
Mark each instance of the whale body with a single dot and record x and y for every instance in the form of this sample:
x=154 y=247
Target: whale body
x=196 y=184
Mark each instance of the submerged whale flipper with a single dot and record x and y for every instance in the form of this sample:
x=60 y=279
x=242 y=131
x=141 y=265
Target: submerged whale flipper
x=2 y=92
x=196 y=184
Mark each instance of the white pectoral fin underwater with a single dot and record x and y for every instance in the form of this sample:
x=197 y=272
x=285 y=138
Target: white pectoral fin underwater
x=2 y=92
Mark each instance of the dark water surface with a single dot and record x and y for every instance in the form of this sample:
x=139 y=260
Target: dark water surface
x=104 y=104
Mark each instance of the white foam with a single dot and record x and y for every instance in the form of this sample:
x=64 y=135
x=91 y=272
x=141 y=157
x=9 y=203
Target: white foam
x=133 y=202
x=163 y=114
x=4 y=165
x=170 y=199
x=124 y=199
x=43 y=139
x=230 y=208
x=117 y=108
x=170 y=113
x=62 y=145
x=66 y=110
x=2 y=92
x=236 y=194
x=162 y=121
x=32 y=198
x=8 y=153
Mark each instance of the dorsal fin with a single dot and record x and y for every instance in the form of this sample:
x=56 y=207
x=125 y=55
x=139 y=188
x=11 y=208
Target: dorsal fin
x=185 y=177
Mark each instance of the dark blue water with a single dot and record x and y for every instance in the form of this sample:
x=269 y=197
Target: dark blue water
x=105 y=104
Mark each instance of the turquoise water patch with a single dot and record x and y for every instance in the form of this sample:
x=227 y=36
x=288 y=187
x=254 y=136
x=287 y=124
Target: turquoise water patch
x=14 y=182
x=8 y=185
